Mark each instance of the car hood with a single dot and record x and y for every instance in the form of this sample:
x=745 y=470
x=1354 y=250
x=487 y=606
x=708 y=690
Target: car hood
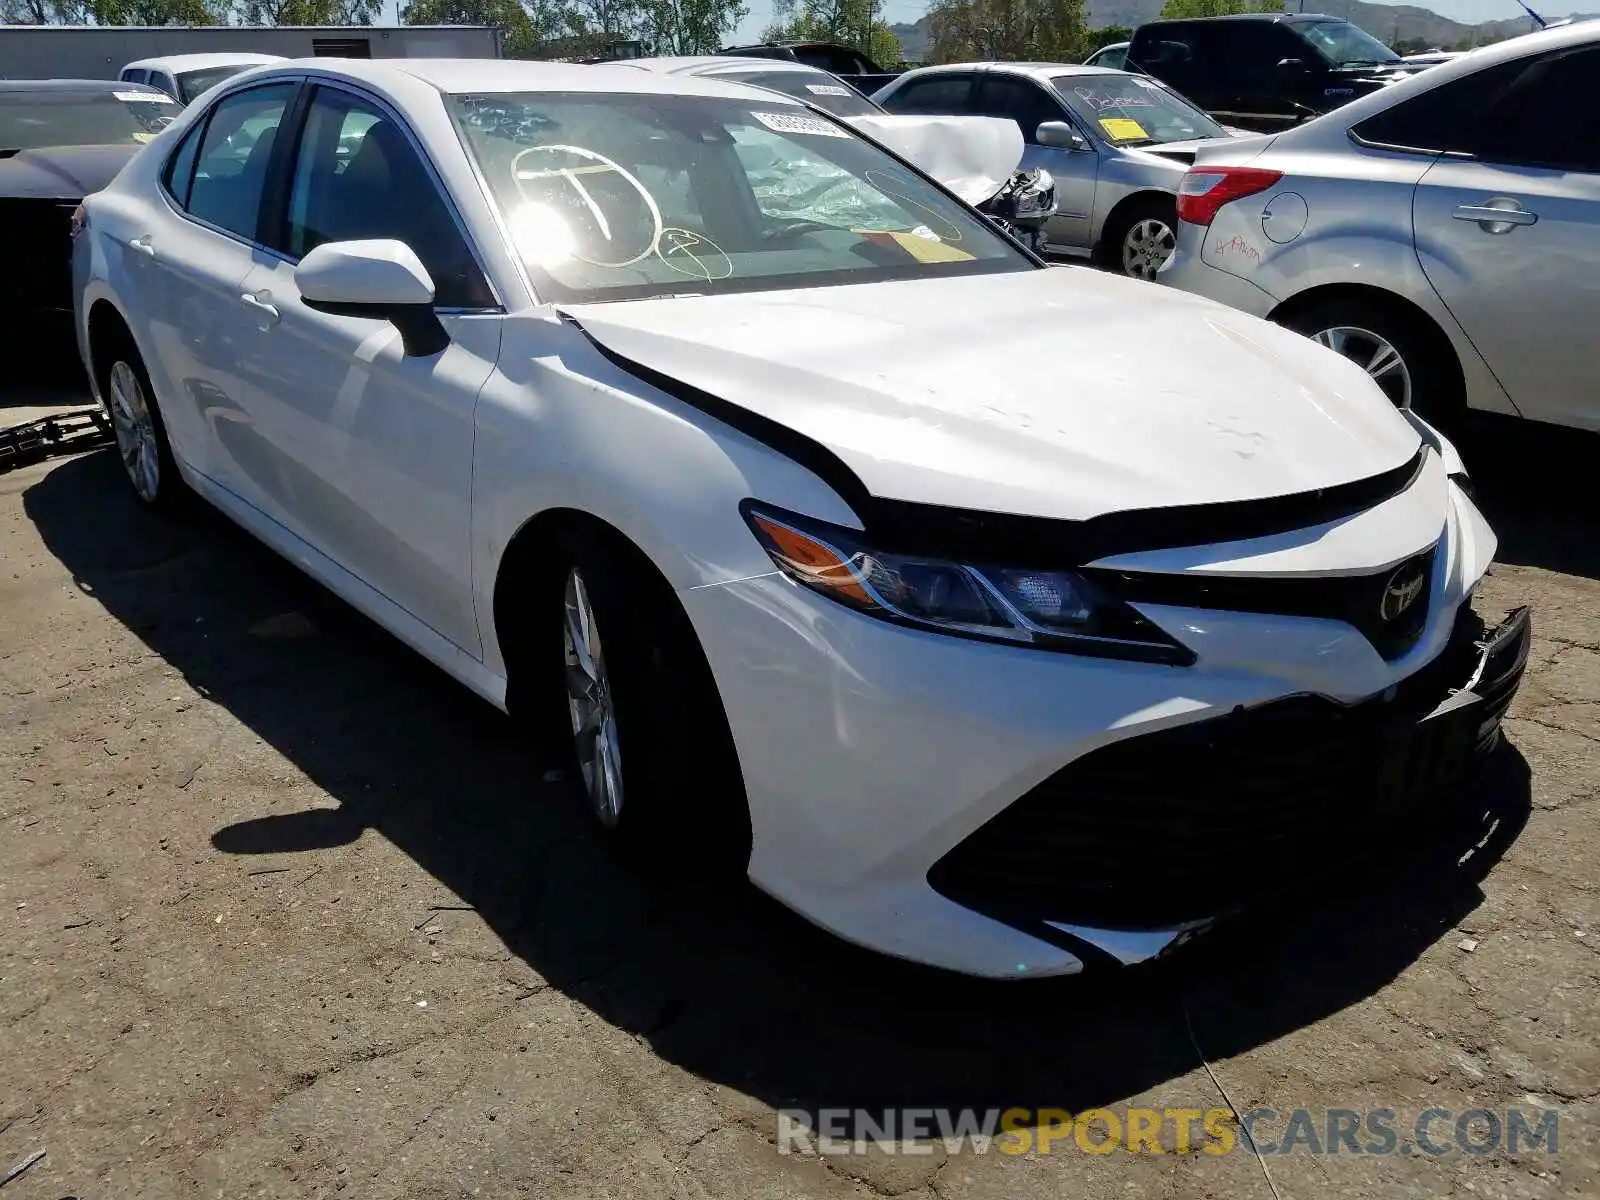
x=1182 y=153
x=972 y=156
x=61 y=172
x=1062 y=392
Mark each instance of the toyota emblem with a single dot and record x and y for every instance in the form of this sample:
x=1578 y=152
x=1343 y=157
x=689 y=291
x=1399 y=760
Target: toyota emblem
x=1401 y=592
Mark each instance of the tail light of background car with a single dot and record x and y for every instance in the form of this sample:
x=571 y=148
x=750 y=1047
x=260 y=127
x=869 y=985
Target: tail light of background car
x=80 y=222
x=1205 y=190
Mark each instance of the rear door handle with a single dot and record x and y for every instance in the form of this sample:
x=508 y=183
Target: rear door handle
x=144 y=244
x=1492 y=218
x=265 y=312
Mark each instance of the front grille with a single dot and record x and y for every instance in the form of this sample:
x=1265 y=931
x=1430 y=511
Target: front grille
x=38 y=273
x=1355 y=599
x=1207 y=818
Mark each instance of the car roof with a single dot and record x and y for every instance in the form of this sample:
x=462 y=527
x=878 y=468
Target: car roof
x=79 y=86
x=1283 y=17
x=716 y=64
x=199 y=62
x=1038 y=70
x=477 y=76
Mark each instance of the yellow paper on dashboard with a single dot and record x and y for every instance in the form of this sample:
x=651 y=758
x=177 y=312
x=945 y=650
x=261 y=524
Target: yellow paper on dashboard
x=1122 y=129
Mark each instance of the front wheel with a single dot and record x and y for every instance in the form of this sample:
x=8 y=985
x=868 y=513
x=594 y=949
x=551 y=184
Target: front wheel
x=648 y=738
x=1140 y=238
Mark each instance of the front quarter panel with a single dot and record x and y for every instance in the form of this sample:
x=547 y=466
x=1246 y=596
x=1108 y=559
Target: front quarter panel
x=561 y=427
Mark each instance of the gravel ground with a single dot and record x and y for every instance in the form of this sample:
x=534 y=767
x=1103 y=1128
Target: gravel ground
x=284 y=912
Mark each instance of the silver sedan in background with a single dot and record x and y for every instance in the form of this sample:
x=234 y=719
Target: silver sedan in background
x=1443 y=232
x=1116 y=142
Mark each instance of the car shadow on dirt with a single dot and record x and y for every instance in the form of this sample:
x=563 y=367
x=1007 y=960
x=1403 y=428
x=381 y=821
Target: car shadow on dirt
x=1537 y=486
x=727 y=985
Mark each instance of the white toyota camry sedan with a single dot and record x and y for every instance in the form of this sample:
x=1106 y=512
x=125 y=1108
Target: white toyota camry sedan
x=1001 y=617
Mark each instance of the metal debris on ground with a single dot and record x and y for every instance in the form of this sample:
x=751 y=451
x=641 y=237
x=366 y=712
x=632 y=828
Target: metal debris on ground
x=64 y=433
x=21 y=1167
x=1467 y=944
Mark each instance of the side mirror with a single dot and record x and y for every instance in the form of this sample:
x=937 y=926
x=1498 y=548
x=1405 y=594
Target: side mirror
x=381 y=279
x=1060 y=136
x=1292 y=66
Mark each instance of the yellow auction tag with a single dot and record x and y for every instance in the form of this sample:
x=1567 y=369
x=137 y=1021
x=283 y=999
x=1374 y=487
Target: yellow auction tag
x=929 y=251
x=1122 y=129
x=142 y=137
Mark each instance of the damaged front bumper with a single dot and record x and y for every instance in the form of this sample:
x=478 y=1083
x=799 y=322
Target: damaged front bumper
x=1133 y=849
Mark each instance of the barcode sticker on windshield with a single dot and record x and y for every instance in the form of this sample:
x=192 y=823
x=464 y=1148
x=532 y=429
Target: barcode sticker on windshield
x=827 y=89
x=798 y=123
x=142 y=97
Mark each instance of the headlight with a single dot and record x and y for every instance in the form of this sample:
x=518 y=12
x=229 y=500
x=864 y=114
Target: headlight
x=1048 y=609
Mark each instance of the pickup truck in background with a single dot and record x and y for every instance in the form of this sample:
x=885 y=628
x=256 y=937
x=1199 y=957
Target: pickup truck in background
x=849 y=64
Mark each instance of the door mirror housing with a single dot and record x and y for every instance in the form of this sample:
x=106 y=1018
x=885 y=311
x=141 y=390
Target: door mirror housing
x=1292 y=66
x=381 y=279
x=1060 y=136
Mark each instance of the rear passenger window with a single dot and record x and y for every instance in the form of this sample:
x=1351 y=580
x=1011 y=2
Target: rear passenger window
x=230 y=171
x=936 y=94
x=1443 y=120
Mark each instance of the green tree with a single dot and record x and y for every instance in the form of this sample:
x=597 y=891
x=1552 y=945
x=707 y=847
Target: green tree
x=306 y=12
x=155 y=12
x=848 y=22
x=691 y=26
x=1218 y=8
x=1093 y=39
x=529 y=27
x=1002 y=30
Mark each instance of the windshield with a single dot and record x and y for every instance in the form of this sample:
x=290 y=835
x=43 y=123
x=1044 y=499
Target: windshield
x=1133 y=110
x=826 y=91
x=1344 y=44
x=616 y=197
x=29 y=120
x=192 y=83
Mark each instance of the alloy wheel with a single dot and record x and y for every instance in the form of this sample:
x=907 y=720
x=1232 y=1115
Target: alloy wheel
x=589 y=702
x=1375 y=355
x=1148 y=244
x=135 y=430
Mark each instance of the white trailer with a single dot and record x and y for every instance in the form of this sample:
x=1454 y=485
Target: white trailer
x=101 y=51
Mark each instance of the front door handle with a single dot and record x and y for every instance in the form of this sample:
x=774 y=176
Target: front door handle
x=266 y=313
x=144 y=244
x=1495 y=216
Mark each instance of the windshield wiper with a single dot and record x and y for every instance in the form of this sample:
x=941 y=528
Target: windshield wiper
x=1366 y=62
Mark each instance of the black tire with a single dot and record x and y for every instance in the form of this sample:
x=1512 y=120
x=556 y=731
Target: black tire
x=1114 y=237
x=683 y=806
x=1427 y=381
x=162 y=489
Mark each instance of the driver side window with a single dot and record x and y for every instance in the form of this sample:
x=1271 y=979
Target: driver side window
x=358 y=176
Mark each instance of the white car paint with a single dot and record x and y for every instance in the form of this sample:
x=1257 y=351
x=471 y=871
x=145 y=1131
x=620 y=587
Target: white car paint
x=867 y=749
x=168 y=72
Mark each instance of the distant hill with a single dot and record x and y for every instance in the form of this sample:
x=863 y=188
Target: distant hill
x=1390 y=22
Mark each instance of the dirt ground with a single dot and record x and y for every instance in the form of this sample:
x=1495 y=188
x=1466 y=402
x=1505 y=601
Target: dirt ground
x=284 y=912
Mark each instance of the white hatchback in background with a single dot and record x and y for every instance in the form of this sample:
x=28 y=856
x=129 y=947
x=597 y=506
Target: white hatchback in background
x=874 y=560
x=1444 y=232
x=185 y=76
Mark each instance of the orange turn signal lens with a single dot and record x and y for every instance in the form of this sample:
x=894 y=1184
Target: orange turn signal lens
x=819 y=563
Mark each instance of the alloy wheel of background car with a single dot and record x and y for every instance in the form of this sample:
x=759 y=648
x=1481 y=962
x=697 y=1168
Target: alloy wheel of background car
x=135 y=431
x=1410 y=362
x=1375 y=355
x=594 y=718
x=1148 y=243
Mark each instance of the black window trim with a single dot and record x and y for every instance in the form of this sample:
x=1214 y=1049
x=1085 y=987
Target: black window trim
x=280 y=168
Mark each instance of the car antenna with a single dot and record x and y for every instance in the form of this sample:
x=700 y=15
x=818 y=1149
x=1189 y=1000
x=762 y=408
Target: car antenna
x=1538 y=20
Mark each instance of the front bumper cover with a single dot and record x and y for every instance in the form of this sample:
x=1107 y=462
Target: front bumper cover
x=1151 y=838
